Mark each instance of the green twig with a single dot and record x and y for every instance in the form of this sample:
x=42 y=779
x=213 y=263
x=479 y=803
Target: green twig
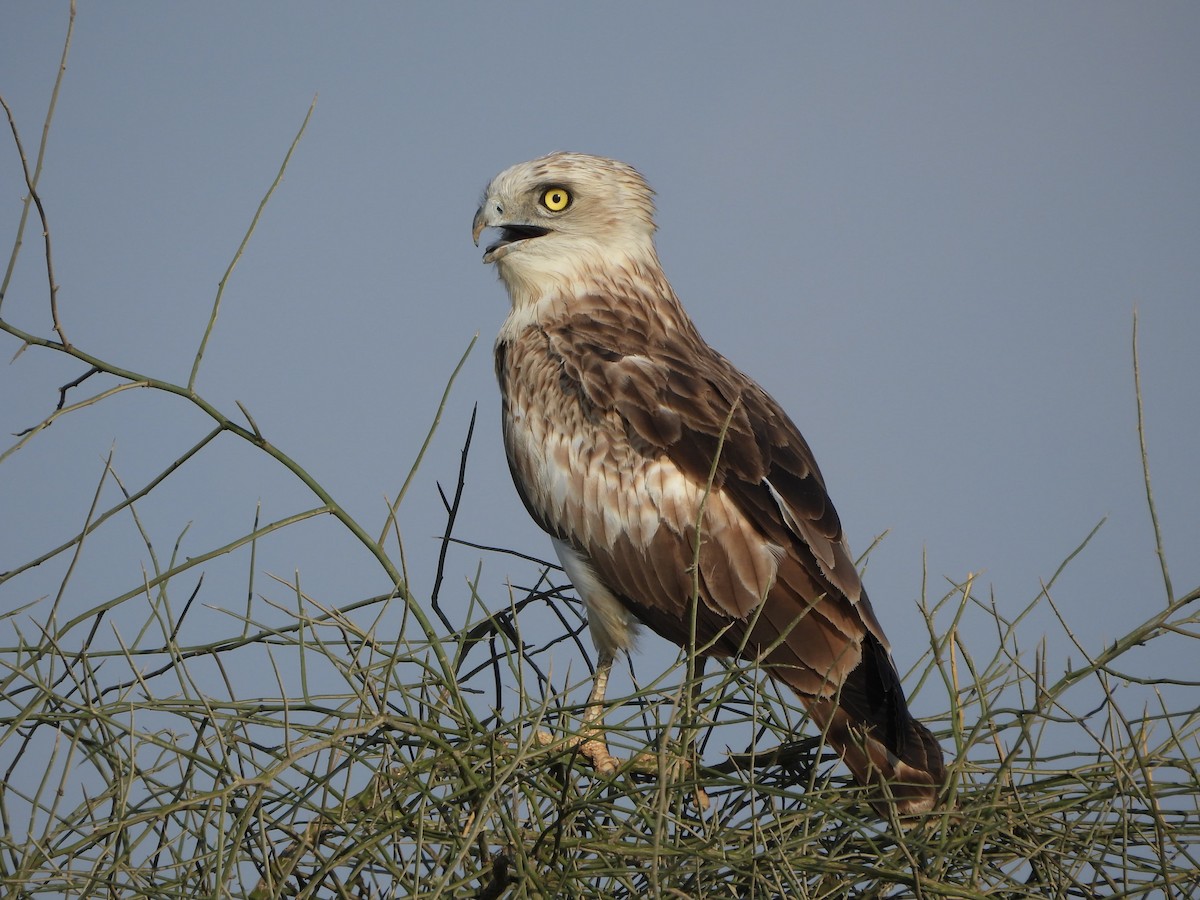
x=212 y=319
x=31 y=181
x=1141 y=430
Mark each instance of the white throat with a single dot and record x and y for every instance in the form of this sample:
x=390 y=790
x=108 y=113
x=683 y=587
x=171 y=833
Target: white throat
x=566 y=267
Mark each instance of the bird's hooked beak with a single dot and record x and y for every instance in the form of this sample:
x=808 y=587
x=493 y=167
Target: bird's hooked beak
x=480 y=222
x=491 y=215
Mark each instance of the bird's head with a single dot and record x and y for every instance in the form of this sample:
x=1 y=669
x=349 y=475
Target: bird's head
x=562 y=216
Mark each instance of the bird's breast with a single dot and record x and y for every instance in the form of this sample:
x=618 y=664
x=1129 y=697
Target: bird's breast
x=573 y=461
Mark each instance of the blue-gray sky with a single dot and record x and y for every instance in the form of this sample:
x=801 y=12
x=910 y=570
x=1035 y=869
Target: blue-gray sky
x=923 y=227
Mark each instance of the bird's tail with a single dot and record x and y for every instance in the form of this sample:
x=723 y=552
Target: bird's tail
x=903 y=769
x=889 y=752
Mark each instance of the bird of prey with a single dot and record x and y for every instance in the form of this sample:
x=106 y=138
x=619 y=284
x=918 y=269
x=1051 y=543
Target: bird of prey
x=665 y=477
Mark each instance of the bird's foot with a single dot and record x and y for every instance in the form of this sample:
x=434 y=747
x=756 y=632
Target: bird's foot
x=590 y=744
x=595 y=751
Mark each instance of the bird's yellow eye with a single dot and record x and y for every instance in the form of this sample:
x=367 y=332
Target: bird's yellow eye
x=556 y=199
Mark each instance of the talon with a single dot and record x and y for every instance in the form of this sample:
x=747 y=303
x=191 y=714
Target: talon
x=596 y=752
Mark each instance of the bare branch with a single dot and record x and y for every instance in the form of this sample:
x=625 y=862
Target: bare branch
x=31 y=186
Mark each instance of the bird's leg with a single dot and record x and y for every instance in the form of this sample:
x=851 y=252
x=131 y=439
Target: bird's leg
x=594 y=747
